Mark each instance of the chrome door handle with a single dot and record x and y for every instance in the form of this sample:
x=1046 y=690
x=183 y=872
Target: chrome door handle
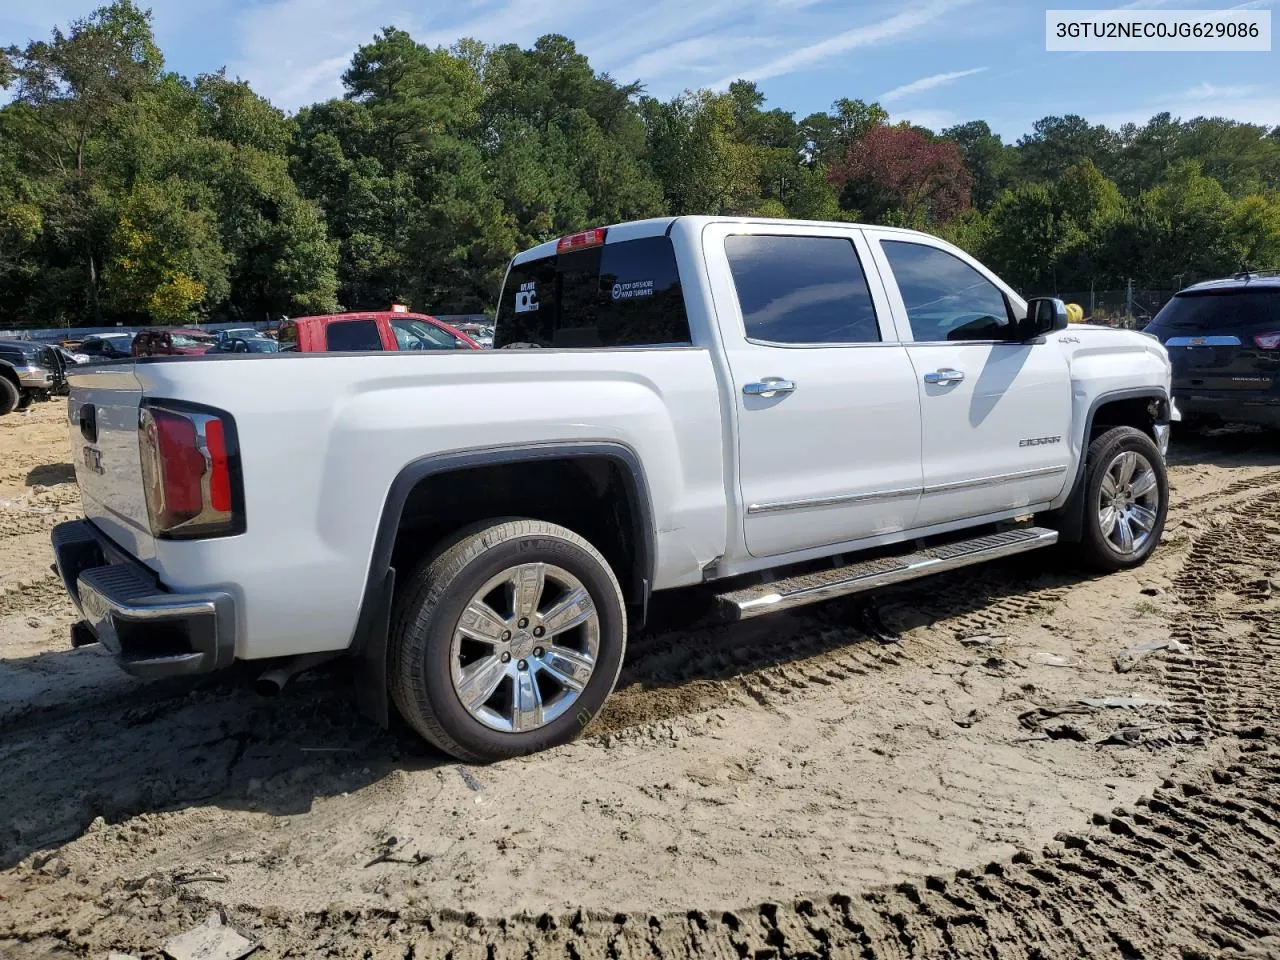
x=768 y=387
x=946 y=375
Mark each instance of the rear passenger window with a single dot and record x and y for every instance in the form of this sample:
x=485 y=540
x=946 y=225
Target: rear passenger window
x=802 y=290
x=352 y=335
x=623 y=294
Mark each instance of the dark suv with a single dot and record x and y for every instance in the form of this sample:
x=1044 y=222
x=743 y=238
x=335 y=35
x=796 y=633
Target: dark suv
x=1223 y=338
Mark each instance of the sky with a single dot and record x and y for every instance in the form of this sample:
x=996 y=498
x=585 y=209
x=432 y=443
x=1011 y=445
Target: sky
x=933 y=62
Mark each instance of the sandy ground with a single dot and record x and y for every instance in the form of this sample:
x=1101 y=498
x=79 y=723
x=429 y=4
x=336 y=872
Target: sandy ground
x=909 y=774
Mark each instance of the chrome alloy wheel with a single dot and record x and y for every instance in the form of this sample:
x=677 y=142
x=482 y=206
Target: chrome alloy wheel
x=525 y=647
x=1128 y=503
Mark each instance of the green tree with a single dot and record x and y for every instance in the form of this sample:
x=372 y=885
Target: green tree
x=166 y=258
x=1056 y=143
x=992 y=164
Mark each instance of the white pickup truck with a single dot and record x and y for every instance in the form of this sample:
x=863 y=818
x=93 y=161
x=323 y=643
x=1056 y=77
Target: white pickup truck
x=756 y=405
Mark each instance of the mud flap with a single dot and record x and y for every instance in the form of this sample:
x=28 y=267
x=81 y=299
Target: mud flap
x=370 y=653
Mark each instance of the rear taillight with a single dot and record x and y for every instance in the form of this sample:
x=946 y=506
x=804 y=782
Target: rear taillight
x=1267 y=341
x=580 y=241
x=190 y=468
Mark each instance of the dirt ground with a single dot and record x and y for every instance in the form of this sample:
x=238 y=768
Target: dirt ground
x=909 y=774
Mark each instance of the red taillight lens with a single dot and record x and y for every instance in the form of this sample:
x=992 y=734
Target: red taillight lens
x=219 y=470
x=580 y=241
x=1267 y=341
x=188 y=472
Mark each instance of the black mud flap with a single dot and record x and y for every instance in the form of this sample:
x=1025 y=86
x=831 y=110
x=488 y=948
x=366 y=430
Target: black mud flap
x=370 y=654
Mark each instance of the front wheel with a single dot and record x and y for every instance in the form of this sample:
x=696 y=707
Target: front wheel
x=508 y=642
x=1126 y=499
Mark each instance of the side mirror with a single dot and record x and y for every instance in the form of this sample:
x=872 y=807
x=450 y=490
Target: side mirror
x=1044 y=315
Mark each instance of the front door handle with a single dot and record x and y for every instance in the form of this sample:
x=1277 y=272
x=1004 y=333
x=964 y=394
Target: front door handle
x=946 y=375
x=768 y=387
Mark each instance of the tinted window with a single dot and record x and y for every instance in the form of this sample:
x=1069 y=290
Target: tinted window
x=420 y=335
x=352 y=335
x=624 y=294
x=1234 y=310
x=946 y=299
x=802 y=290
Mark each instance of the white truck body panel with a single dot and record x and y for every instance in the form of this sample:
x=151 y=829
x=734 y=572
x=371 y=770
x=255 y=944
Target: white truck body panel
x=862 y=453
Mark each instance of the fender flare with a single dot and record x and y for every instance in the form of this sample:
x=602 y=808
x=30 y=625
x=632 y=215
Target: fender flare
x=369 y=642
x=1069 y=518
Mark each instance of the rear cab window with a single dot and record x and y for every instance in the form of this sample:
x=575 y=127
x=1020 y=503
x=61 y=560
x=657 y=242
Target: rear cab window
x=352 y=335
x=621 y=294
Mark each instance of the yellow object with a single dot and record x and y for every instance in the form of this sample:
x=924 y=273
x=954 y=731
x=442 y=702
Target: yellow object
x=1075 y=313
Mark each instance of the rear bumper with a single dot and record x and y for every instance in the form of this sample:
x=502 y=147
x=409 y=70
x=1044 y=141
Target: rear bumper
x=151 y=631
x=1263 y=410
x=37 y=378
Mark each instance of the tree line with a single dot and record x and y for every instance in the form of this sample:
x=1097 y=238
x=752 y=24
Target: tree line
x=130 y=193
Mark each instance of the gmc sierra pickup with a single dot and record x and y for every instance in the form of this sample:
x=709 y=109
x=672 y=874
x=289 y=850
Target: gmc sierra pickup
x=757 y=405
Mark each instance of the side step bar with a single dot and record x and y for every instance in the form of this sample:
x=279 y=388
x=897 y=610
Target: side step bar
x=870 y=574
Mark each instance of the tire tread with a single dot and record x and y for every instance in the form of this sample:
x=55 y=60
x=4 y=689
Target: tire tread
x=427 y=586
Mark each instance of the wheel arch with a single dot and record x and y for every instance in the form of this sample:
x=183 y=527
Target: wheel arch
x=369 y=642
x=1127 y=407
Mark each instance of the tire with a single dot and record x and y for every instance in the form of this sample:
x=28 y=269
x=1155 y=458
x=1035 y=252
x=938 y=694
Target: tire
x=434 y=652
x=10 y=397
x=1103 y=545
x=26 y=400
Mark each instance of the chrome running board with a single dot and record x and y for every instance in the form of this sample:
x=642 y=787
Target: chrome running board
x=870 y=574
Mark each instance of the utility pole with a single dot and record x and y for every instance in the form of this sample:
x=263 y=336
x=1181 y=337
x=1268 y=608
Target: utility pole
x=1129 y=300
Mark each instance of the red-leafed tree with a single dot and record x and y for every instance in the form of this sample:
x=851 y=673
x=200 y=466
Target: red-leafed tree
x=900 y=175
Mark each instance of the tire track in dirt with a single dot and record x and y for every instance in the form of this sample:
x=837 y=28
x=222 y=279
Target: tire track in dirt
x=676 y=672
x=1186 y=872
x=1181 y=874
x=1237 y=488
x=772 y=659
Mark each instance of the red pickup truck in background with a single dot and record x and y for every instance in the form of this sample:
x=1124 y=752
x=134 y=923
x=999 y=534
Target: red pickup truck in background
x=169 y=343
x=376 y=330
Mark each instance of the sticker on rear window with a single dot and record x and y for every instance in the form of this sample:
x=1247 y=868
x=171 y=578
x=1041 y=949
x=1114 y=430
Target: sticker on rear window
x=633 y=289
x=527 y=297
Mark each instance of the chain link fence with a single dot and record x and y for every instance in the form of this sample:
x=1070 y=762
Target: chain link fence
x=1129 y=308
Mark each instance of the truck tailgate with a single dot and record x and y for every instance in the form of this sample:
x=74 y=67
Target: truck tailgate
x=103 y=415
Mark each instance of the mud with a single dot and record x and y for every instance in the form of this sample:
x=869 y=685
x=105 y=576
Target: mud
x=910 y=774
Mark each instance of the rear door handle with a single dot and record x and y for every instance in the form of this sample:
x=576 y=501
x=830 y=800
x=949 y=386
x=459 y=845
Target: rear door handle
x=946 y=375
x=768 y=387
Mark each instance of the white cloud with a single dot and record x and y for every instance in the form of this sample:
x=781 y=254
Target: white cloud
x=294 y=51
x=932 y=119
x=1263 y=110
x=868 y=35
x=697 y=54
x=1208 y=91
x=926 y=83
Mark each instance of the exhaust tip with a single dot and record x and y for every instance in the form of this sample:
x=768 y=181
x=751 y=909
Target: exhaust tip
x=271 y=683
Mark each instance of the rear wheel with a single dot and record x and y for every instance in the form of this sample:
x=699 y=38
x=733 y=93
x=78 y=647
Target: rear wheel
x=10 y=398
x=1126 y=499
x=508 y=642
